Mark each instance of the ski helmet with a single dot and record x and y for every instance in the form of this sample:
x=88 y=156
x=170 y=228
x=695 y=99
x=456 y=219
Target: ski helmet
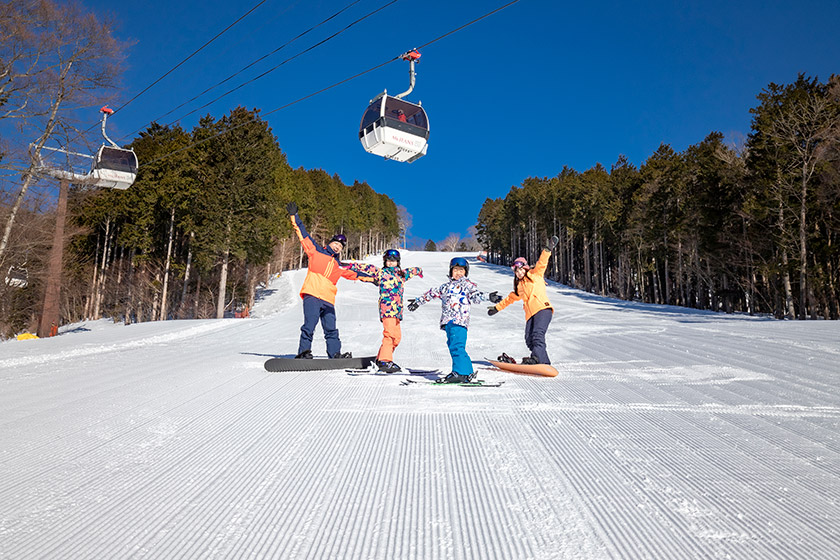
x=459 y=261
x=391 y=255
x=340 y=238
x=520 y=262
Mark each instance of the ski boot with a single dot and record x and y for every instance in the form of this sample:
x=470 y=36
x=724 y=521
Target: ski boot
x=455 y=378
x=387 y=367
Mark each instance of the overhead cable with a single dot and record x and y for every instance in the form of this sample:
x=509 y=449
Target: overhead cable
x=260 y=59
x=199 y=49
x=336 y=84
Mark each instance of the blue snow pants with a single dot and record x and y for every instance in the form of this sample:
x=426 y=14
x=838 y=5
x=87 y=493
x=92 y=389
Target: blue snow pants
x=456 y=340
x=535 y=329
x=315 y=309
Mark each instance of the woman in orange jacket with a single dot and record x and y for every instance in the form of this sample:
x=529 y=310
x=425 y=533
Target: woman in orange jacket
x=529 y=287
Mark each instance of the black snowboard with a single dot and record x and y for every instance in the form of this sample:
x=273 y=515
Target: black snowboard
x=314 y=364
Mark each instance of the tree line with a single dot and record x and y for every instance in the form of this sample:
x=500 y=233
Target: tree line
x=203 y=225
x=752 y=230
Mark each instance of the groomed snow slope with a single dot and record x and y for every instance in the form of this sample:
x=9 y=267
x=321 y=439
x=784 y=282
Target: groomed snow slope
x=668 y=434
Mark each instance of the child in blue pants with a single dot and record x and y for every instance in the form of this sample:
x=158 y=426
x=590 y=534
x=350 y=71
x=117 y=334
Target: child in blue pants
x=456 y=297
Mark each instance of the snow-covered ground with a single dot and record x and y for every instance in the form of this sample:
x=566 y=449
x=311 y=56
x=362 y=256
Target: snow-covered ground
x=668 y=434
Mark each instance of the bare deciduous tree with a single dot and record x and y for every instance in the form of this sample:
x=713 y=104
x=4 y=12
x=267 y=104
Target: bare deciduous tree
x=405 y=221
x=450 y=243
x=54 y=59
x=805 y=129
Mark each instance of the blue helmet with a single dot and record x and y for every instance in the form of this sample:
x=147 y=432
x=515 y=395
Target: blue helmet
x=391 y=255
x=462 y=262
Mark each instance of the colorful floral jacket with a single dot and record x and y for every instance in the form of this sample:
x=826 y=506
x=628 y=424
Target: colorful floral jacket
x=390 y=281
x=456 y=297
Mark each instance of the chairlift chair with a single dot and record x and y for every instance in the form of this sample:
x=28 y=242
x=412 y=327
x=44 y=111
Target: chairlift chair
x=394 y=128
x=113 y=167
x=17 y=277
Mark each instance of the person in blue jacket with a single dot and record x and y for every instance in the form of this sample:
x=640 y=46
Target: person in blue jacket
x=455 y=297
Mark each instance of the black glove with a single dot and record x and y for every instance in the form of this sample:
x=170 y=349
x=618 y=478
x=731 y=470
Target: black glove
x=495 y=297
x=552 y=243
x=292 y=208
x=413 y=305
x=492 y=310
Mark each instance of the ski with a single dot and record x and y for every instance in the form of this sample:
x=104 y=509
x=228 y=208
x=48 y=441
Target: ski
x=405 y=371
x=476 y=383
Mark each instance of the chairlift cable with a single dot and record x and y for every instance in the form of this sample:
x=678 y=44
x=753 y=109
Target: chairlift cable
x=476 y=20
x=257 y=61
x=336 y=84
x=222 y=32
x=150 y=86
x=270 y=70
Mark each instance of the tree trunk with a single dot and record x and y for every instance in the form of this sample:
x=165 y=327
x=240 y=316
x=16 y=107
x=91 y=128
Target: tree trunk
x=599 y=265
x=220 y=302
x=88 y=314
x=803 y=248
x=167 y=265
x=50 y=315
x=100 y=285
x=790 y=311
x=197 y=297
x=187 y=272
x=655 y=282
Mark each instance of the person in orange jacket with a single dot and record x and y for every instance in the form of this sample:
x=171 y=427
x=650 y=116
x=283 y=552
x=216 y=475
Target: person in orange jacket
x=319 y=288
x=529 y=287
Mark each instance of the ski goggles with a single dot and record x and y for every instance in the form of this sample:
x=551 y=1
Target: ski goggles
x=340 y=238
x=392 y=255
x=520 y=263
x=459 y=261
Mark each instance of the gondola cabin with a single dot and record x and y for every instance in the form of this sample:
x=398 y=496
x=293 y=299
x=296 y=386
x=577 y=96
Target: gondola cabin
x=394 y=129
x=114 y=168
x=17 y=277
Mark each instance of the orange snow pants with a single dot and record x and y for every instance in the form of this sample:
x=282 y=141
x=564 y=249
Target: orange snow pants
x=391 y=335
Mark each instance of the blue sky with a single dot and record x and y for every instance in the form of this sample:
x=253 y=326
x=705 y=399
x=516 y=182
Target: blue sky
x=537 y=86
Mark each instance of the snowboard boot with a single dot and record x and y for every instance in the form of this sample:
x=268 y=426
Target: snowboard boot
x=339 y=355
x=305 y=355
x=388 y=367
x=529 y=360
x=506 y=359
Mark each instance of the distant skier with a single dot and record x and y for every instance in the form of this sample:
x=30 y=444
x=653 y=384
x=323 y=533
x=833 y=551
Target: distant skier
x=390 y=279
x=529 y=286
x=456 y=297
x=319 y=288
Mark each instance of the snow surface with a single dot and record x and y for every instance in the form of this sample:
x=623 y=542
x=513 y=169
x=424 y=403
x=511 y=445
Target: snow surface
x=669 y=433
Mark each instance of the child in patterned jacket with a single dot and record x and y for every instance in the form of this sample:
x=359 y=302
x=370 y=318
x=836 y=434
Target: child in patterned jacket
x=390 y=279
x=456 y=297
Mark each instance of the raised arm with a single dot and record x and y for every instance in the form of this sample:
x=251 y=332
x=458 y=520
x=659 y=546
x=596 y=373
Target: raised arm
x=305 y=239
